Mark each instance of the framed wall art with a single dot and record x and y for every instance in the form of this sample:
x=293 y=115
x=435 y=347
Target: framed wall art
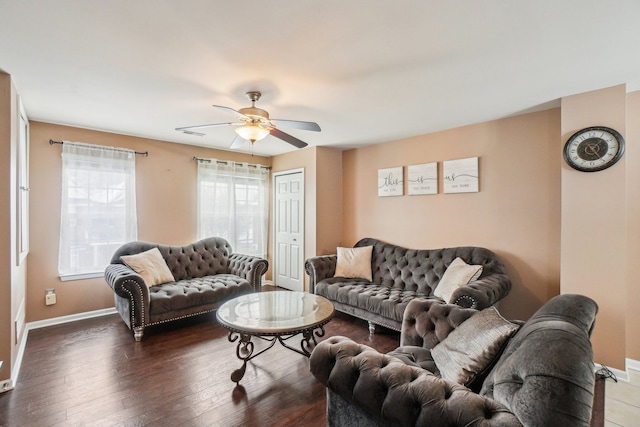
x=422 y=179
x=460 y=176
x=390 y=182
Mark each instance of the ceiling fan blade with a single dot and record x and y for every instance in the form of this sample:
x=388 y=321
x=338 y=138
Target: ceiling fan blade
x=192 y=132
x=205 y=126
x=237 y=142
x=230 y=110
x=288 y=138
x=296 y=124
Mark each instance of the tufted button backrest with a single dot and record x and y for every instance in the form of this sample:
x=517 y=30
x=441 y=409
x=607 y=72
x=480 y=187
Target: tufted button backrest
x=548 y=359
x=420 y=270
x=426 y=322
x=202 y=258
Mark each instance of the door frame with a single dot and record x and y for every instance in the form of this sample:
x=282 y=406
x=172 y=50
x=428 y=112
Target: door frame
x=274 y=274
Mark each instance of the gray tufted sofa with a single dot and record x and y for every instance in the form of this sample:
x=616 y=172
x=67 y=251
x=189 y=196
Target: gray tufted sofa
x=207 y=273
x=544 y=376
x=401 y=275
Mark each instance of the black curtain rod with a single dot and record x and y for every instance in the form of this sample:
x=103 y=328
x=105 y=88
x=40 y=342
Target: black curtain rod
x=142 y=153
x=224 y=162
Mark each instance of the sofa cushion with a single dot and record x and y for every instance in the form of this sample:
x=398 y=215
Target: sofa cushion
x=200 y=291
x=459 y=273
x=151 y=266
x=470 y=349
x=354 y=263
x=382 y=300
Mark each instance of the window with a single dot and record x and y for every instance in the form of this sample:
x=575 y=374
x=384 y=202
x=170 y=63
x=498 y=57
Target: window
x=98 y=207
x=233 y=203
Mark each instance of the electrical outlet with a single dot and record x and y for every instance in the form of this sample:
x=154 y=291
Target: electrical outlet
x=50 y=297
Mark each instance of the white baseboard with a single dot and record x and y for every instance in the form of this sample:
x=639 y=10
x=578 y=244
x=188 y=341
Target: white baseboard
x=20 y=332
x=70 y=318
x=630 y=364
x=10 y=383
x=633 y=364
x=620 y=375
x=18 y=364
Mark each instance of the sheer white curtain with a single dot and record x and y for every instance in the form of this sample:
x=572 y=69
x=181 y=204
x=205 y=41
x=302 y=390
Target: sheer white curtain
x=98 y=207
x=233 y=202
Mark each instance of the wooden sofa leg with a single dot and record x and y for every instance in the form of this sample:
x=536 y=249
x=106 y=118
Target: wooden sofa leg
x=372 y=328
x=138 y=332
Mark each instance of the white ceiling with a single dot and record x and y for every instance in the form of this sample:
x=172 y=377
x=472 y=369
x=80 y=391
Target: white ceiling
x=365 y=71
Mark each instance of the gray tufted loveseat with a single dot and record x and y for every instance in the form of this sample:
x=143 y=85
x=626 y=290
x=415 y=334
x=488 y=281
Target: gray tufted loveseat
x=544 y=375
x=400 y=275
x=207 y=273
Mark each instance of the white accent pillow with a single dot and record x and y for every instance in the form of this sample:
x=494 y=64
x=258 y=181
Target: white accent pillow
x=354 y=263
x=151 y=266
x=470 y=349
x=459 y=273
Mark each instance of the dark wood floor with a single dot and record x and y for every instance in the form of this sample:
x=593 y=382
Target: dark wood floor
x=92 y=373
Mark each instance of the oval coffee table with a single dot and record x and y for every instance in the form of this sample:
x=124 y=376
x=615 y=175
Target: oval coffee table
x=273 y=316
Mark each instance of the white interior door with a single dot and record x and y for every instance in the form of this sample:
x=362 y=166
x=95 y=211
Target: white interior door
x=289 y=230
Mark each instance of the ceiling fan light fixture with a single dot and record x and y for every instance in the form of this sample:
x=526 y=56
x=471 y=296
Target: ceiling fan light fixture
x=252 y=132
x=255 y=125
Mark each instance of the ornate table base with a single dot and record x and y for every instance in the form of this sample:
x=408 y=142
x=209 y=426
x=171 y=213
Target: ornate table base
x=244 y=350
x=274 y=317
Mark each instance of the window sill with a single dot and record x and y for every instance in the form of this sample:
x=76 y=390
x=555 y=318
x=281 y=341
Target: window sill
x=71 y=277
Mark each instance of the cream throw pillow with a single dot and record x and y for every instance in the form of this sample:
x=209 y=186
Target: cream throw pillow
x=472 y=347
x=151 y=266
x=354 y=263
x=459 y=273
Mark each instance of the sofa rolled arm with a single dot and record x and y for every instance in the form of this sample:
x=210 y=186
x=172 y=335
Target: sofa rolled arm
x=129 y=285
x=482 y=293
x=320 y=268
x=398 y=394
x=249 y=267
x=426 y=322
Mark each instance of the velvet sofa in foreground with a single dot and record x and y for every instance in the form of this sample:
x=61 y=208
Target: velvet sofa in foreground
x=399 y=275
x=198 y=278
x=542 y=376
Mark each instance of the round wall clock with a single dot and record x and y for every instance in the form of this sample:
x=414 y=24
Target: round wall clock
x=594 y=149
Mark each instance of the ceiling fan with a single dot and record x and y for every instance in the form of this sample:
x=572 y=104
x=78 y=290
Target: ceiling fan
x=254 y=124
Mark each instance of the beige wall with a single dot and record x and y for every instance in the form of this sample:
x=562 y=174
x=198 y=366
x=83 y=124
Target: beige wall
x=516 y=212
x=166 y=204
x=329 y=230
x=632 y=321
x=5 y=224
x=594 y=223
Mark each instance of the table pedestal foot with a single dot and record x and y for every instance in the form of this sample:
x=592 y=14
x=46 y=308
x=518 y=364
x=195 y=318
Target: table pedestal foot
x=309 y=341
x=237 y=375
x=244 y=352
